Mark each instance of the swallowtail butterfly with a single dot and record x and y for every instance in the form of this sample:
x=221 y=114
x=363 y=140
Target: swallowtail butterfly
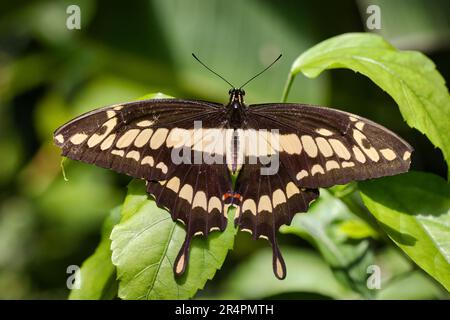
x=281 y=154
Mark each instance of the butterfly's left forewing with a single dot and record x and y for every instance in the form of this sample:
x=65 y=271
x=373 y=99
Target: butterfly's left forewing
x=322 y=147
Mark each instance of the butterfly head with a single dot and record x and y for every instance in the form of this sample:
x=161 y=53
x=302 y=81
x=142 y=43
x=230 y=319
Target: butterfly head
x=236 y=97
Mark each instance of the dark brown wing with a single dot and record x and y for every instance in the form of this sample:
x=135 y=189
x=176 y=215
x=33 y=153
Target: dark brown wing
x=157 y=140
x=268 y=201
x=135 y=138
x=193 y=194
x=290 y=150
x=322 y=147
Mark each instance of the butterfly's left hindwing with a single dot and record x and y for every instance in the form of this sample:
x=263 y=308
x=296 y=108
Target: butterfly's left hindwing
x=266 y=202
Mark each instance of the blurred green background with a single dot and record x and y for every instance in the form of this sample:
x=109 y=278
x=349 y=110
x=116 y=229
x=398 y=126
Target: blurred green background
x=49 y=74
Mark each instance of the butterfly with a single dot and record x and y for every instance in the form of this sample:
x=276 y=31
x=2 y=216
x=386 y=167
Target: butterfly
x=188 y=151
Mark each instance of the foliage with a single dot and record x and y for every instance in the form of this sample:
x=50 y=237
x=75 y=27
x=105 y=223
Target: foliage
x=414 y=210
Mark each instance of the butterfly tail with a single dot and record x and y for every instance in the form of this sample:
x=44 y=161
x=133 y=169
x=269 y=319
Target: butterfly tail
x=279 y=266
x=179 y=267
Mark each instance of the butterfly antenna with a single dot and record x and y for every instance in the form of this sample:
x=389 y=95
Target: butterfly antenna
x=258 y=74
x=195 y=57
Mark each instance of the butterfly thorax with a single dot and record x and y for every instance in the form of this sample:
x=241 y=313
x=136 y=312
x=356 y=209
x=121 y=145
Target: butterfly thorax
x=236 y=108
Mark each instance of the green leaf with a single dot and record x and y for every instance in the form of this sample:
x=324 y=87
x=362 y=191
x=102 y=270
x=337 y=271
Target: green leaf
x=400 y=280
x=307 y=273
x=408 y=76
x=357 y=229
x=145 y=244
x=155 y=95
x=414 y=210
x=348 y=258
x=98 y=274
x=412 y=286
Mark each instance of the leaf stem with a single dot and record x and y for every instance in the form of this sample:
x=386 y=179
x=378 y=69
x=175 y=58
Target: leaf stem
x=287 y=87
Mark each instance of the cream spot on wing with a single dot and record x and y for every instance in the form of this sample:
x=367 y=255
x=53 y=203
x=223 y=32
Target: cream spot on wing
x=247 y=230
x=110 y=114
x=158 y=138
x=176 y=138
x=309 y=146
x=198 y=233
x=174 y=184
x=324 y=132
x=186 y=193
x=250 y=142
x=269 y=143
x=279 y=269
x=180 y=265
x=148 y=160
x=324 y=147
x=388 y=154
x=263 y=143
x=406 y=155
x=302 y=174
x=162 y=182
x=133 y=155
x=249 y=205
x=97 y=138
x=214 y=229
x=353 y=119
x=143 y=138
x=199 y=200
x=330 y=165
x=162 y=166
x=263 y=237
x=214 y=142
x=358 y=154
x=290 y=143
x=144 y=123
x=78 y=138
x=225 y=210
x=360 y=125
x=237 y=213
x=205 y=140
x=278 y=197
x=118 y=107
x=127 y=138
x=317 y=168
x=291 y=190
x=264 y=204
x=59 y=138
x=340 y=149
x=214 y=203
x=348 y=164
x=370 y=151
x=107 y=143
x=120 y=153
